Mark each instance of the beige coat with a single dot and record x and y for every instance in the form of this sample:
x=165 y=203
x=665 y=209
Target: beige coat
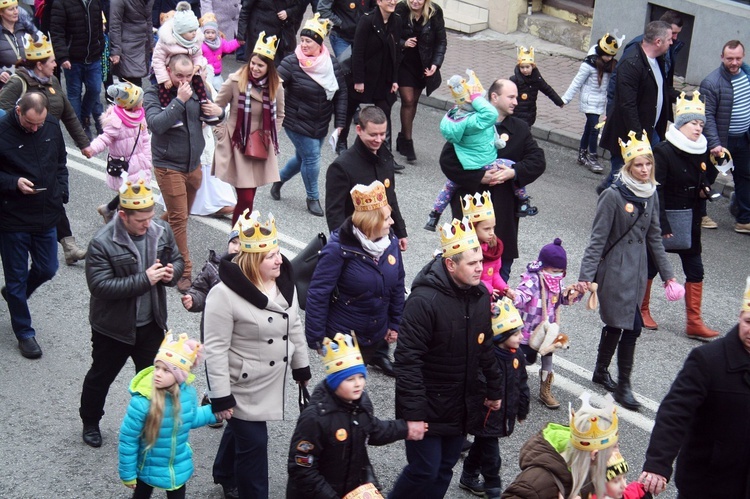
x=230 y=164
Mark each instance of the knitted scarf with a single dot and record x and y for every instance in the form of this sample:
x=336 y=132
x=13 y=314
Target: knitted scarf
x=320 y=69
x=129 y=118
x=681 y=142
x=214 y=45
x=242 y=127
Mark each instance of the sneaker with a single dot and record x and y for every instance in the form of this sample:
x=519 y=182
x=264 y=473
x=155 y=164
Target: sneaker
x=708 y=223
x=472 y=483
x=106 y=213
x=207 y=401
x=525 y=209
x=742 y=228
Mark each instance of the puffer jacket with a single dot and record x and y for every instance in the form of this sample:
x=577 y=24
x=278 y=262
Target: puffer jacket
x=321 y=465
x=473 y=134
x=432 y=41
x=257 y=16
x=213 y=57
x=169 y=463
x=167 y=47
x=491 y=265
x=344 y=15
x=11 y=44
x=351 y=291
x=207 y=279
x=528 y=91
x=444 y=342
x=717 y=90
x=131 y=36
x=76 y=31
x=308 y=110
x=593 y=96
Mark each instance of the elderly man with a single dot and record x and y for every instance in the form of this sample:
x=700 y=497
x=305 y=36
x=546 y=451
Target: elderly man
x=703 y=421
x=444 y=343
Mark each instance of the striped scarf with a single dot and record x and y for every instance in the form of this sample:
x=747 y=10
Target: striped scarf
x=242 y=127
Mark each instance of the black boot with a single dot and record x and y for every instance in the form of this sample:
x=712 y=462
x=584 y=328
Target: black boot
x=607 y=346
x=432 y=221
x=340 y=146
x=98 y=124
x=313 y=206
x=623 y=392
x=407 y=149
x=582 y=156
x=276 y=190
x=400 y=142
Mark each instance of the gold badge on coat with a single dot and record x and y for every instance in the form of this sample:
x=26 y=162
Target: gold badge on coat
x=52 y=91
x=480 y=338
x=703 y=166
x=341 y=434
x=629 y=207
x=524 y=96
x=515 y=363
x=392 y=259
x=490 y=271
x=352 y=6
x=387 y=183
x=504 y=137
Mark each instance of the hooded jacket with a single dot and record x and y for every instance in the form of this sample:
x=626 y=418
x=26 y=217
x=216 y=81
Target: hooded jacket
x=593 y=95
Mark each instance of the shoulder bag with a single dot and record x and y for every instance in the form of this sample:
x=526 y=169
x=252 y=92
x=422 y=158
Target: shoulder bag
x=304 y=265
x=115 y=166
x=681 y=222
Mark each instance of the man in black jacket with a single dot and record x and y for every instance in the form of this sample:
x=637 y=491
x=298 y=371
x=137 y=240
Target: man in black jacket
x=444 y=342
x=129 y=262
x=33 y=188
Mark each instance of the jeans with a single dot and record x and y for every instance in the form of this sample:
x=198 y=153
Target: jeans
x=430 y=467
x=484 y=457
x=740 y=149
x=250 y=467
x=306 y=160
x=144 y=491
x=590 y=133
x=20 y=280
x=338 y=44
x=616 y=163
x=89 y=75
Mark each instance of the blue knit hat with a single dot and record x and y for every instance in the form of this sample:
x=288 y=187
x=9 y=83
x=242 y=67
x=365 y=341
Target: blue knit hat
x=341 y=359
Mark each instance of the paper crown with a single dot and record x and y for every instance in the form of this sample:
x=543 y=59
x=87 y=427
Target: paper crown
x=616 y=465
x=595 y=438
x=341 y=352
x=208 y=17
x=173 y=351
x=634 y=147
x=505 y=317
x=136 y=196
x=39 y=50
x=369 y=197
x=4 y=4
x=317 y=25
x=457 y=237
x=478 y=207
x=525 y=56
x=609 y=44
x=366 y=491
x=746 y=297
x=127 y=95
x=689 y=106
x=257 y=237
x=460 y=90
x=268 y=47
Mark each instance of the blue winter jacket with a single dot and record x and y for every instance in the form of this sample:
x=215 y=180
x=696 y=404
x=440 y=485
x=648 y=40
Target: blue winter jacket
x=473 y=134
x=169 y=463
x=370 y=295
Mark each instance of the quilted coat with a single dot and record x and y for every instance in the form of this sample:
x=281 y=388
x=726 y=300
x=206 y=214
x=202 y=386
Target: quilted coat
x=130 y=36
x=717 y=89
x=592 y=98
x=227 y=15
x=528 y=92
x=472 y=134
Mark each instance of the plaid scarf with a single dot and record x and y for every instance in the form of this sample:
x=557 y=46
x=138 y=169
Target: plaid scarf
x=242 y=127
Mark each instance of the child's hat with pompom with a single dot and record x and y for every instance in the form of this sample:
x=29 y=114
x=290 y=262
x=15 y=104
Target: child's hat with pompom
x=125 y=94
x=184 y=20
x=180 y=354
x=553 y=255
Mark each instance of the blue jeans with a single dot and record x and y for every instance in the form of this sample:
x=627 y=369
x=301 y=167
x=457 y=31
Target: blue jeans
x=616 y=162
x=20 y=281
x=338 y=44
x=306 y=160
x=89 y=75
x=251 y=458
x=740 y=149
x=430 y=467
x=590 y=133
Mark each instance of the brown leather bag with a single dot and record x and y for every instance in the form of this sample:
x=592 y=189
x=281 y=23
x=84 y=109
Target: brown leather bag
x=257 y=145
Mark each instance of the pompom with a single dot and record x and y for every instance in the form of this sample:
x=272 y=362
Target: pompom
x=182 y=6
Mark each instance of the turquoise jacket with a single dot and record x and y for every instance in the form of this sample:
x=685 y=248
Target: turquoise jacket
x=169 y=463
x=472 y=133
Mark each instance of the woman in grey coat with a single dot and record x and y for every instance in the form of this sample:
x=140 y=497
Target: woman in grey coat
x=626 y=226
x=130 y=37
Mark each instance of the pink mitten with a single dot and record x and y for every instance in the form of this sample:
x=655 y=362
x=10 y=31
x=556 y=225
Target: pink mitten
x=674 y=291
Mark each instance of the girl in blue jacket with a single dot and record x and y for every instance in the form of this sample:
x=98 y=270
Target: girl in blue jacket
x=154 y=449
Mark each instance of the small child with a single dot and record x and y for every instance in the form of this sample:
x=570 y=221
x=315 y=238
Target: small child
x=328 y=452
x=617 y=485
x=488 y=426
x=529 y=81
x=154 y=449
x=470 y=127
x=215 y=46
x=538 y=299
x=124 y=133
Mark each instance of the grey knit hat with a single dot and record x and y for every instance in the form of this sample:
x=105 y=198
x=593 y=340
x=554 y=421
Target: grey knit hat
x=687 y=110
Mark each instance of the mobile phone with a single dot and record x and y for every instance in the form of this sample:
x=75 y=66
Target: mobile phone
x=40 y=189
x=166 y=256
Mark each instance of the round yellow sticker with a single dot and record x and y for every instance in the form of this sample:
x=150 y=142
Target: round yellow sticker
x=629 y=207
x=387 y=183
x=515 y=363
x=480 y=338
x=352 y=6
x=52 y=90
x=341 y=434
x=490 y=271
x=524 y=96
x=703 y=166
x=504 y=137
x=392 y=259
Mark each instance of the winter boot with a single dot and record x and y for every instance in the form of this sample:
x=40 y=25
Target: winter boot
x=106 y=213
x=545 y=390
x=607 y=346
x=276 y=190
x=648 y=321
x=472 y=483
x=582 y=156
x=695 y=328
x=432 y=221
x=407 y=149
x=313 y=207
x=493 y=493
x=400 y=143
x=525 y=209
x=623 y=393
x=71 y=251
x=592 y=161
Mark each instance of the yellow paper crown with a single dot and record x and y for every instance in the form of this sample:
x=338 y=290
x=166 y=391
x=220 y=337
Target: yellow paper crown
x=690 y=106
x=616 y=465
x=136 y=196
x=4 y=4
x=341 y=352
x=595 y=438
x=369 y=197
x=746 y=297
x=37 y=51
x=208 y=17
x=505 y=317
x=317 y=25
x=257 y=237
x=173 y=351
x=478 y=207
x=610 y=44
x=525 y=56
x=268 y=47
x=457 y=237
x=128 y=95
x=634 y=147
x=366 y=491
x=460 y=90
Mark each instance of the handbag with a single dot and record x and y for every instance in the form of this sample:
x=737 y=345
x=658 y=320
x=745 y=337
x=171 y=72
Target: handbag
x=115 y=166
x=304 y=265
x=681 y=222
x=256 y=146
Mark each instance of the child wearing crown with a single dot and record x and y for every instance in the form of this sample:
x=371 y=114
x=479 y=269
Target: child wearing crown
x=154 y=449
x=328 y=452
x=617 y=486
x=529 y=81
x=470 y=127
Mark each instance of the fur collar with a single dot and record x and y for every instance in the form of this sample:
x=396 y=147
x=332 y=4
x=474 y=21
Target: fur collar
x=231 y=275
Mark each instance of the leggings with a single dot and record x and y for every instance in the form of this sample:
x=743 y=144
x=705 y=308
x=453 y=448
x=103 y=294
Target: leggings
x=144 y=491
x=449 y=189
x=245 y=200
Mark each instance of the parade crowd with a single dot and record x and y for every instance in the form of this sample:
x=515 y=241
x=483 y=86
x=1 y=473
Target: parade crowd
x=464 y=336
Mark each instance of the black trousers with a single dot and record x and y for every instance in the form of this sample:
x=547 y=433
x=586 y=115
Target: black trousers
x=63 y=226
x=144 y=490
x=379 y=349
x=692 y=266
x=484 y=457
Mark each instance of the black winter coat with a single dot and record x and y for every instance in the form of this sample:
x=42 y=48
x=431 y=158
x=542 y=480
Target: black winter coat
x=530 y=165
x=704 y=419
x=357 y=165
x=76 y=31
x=444 y=342
x=344 y=15
x=262 y=15
x=431 y=43
x=307 y=109
x=322 y=464
x=528 y=91
x=374 y=56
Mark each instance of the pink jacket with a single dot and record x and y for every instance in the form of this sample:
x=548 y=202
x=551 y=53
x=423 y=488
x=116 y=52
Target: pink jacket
x=167 y=46
x=119 y=139
x=491 y=269
x=214 y=56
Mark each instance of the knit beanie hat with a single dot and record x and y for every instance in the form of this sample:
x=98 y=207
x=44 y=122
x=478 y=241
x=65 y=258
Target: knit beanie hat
x=687 y=110
x=208 y=21
x=553 y=255
x=179 y=354
x=341 y=359
x=184 y=20
x=316 y=28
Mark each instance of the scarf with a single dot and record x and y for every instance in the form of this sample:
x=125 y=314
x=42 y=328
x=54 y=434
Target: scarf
x=188 y=44
x=214 y=45
x=553 y=282
x=642 y=190
x=242 y=127
x=129 y=118
x=678 y=139
x=41 y=79
x=373 y=248
x=320 y=69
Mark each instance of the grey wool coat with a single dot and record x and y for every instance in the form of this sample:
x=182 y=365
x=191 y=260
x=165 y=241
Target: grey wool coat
x=622 y=274
x=130 y=36
x=227 y=15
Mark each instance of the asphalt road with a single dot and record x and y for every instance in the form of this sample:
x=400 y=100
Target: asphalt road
x=41 y=452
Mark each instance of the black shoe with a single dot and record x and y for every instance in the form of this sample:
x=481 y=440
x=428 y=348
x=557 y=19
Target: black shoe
x=602 y=377
x=407 y=149
x=341 y=146
x=525 y=209
x=472 y=483
x=624 y=396
x=30 y=348
x=385 y=365
x=4 y=293
x=432 y=221
x=207 y=401
x=313 y=206
x=276 y=190
x=230 y=492
x=398 y=168
x=92 y=436
x=400 y=142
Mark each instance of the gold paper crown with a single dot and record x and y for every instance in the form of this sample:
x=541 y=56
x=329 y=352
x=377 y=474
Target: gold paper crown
x=128 y=95
x=457 y=237
x=460 y=90
x=366 y=491
x=525 y=56
x=690 y=106
x=634 y=147
x=595 y=438
x=369 y=197
x=341 y=353
x=207 y=18
x=746 y=297
x=317 y=25
x=610 y=44
x=257 y=237
x=478 y=207
x=173 y=351
x=36 y=51
x=505 y=317
x=136 y=196
x=4 y=4
x=268 y=47
x=616 y=465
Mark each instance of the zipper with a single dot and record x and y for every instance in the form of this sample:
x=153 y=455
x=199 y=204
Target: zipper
x=88 y=26
x=175 y=423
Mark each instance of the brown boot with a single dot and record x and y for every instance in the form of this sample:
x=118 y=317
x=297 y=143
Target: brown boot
x=545 y=390
x=648 y=321
x=695 y=328
x=71 y=251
